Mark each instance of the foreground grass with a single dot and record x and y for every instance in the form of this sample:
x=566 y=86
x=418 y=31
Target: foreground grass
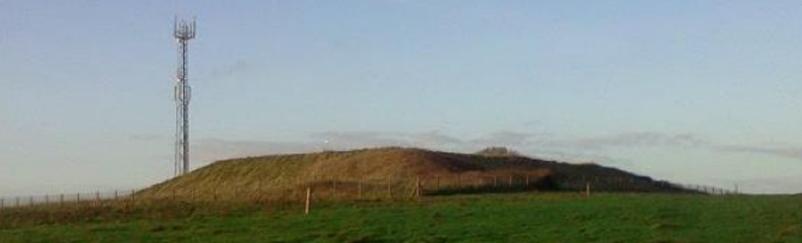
x=549 y=217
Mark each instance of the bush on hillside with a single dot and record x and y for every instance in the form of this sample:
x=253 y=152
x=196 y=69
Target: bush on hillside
x=498 y=152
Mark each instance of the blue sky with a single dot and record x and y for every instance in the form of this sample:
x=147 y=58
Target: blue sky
x=702 y=92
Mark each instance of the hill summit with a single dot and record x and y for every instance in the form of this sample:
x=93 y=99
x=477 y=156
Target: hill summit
x=498 y=151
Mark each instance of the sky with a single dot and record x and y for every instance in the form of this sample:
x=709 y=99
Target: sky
x=694 y=92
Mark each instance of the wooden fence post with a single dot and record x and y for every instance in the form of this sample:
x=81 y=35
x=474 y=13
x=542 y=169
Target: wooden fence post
x=97 y=197
x=527 y=181
x=308 y=200
x=116 y=196
x=359 y=189
x=78 y=197
x=510 y=182
x=61 y=199
x=2 y=203
x=47 y=199
x=333 y=189
x=389 y=190
x=417 y=188
x=30 y=201
x=495 y=181
x=259 y=189
x=587 y=189
x=16 y=203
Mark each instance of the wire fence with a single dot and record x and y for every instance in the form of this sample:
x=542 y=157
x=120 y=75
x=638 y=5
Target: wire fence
x=65 y=198
x=710 y=190
x=363 y=189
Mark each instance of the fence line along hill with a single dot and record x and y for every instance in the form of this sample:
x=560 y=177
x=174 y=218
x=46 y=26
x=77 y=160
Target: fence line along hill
x=401 y=167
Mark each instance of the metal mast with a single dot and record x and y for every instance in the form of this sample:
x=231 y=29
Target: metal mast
x=183 y=31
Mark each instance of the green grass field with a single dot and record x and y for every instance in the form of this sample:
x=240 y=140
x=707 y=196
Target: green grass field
x=543 y=217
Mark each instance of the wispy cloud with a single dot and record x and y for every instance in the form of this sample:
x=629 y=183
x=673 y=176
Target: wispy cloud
x=504 y=138
x=431 y=139
x=527 y=143
x=637 y=139
x=351 y=139
x=435 y=138
x=211 y=149
x=788 y=152
x=588 y=149
x=229 y=70
x=684 y=140
x=146 y=137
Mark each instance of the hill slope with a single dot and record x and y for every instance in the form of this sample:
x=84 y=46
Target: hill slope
x=400 y=166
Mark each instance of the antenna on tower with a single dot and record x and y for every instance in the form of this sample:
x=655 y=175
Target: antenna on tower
x=183 y=31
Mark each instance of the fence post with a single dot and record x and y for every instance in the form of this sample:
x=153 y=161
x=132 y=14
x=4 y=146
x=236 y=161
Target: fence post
x=308 y=200
x=61 y=199
x=587 y=189
x=389 y=190
x=78 y=197
x=359 y=189
x=333 y=189
x=495 y=181
x=30 y=201
x=510 y=184
x=259 y=190
x=527 y=182
x=116 y=196
x=417 y=188
x=133 y=199
x=47 y=199
x=2 y=203
x=97 y=197
x=16 y=203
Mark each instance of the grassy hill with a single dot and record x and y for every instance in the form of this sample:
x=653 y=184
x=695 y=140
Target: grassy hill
x=513 y=217
x=401 y=167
